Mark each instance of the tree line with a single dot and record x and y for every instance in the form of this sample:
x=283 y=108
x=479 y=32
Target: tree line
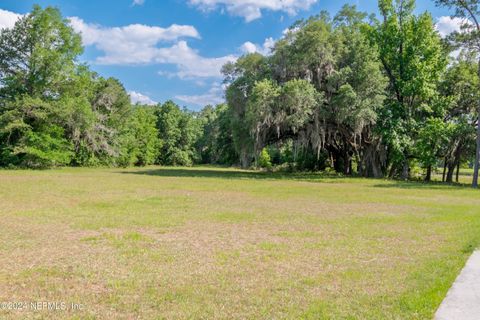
x=55 y=111
x=375 y=97
x=378 y=97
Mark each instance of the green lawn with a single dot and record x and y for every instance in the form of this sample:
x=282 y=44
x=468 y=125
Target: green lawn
x=465 y=176
x=210 y=243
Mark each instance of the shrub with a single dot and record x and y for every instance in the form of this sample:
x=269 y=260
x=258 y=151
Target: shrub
x=264 y=160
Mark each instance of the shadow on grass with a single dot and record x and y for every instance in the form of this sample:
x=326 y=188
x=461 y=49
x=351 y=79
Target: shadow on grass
x=433 y=185
x=228 y=173
x=220 y=173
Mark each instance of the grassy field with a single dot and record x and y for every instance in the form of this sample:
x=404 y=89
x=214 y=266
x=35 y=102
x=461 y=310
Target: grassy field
x=465 y=176
x=210 y=243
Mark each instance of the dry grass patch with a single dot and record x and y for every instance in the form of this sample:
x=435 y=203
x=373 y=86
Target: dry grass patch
x=169 y=243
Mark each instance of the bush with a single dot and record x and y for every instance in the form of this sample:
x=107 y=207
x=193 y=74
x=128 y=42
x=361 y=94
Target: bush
x=264 y=160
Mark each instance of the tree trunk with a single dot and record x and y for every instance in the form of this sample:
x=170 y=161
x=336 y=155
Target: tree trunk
x=244 y=159
x=405 y=170
x=360 y=170
x=477 y=151
x=346 y=164
x=451 y=170
x=428 y=177
x=372 y=161
x=391 y=173
x=444 y=169
x=458 y=171
x=337 y=162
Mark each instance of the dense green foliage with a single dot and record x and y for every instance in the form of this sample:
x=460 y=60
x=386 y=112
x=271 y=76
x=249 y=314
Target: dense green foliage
x=55 y=111
x=140 y=142
x=413 y=59
x=353 y=93
x=376 y=97
x=178 y=131
x=469 y=39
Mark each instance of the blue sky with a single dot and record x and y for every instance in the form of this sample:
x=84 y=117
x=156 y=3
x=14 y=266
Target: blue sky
x=173 y=49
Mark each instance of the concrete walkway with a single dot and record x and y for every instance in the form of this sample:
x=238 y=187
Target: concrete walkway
x=463 y=299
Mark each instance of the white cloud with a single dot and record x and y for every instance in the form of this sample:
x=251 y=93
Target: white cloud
x=447 y=25
x=129 y=44
x=138 y=2
x=265 y=49
x=290 y=30
x=137 y=97
x=214 y=96
x=189 y=63
x=249 y=47
x=139 y=44
x=252 y=9
x=8 y=19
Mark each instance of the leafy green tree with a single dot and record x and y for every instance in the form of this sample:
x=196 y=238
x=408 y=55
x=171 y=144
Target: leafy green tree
x=241 y=77
x=357 y=97
x=431 y=139
x=459 y=87
x=178 y=132
x=261 y=111
x=53 y=110
x=30 y=137
x=139 y=142
x=78 y=117
x=96 y=112
x=274 y=110
x=225 y=147
x=321 y=89
x=306 y=52
x=298 y=102
x=215 y=144
x=264 y=160
x=112 y=108
x=37 y=61
x=338 y=59
x=413 y=59
x=206 y=144
x=38 y=55
x=469 y=38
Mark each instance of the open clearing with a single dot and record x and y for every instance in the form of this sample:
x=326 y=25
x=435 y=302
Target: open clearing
x=211 y=243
